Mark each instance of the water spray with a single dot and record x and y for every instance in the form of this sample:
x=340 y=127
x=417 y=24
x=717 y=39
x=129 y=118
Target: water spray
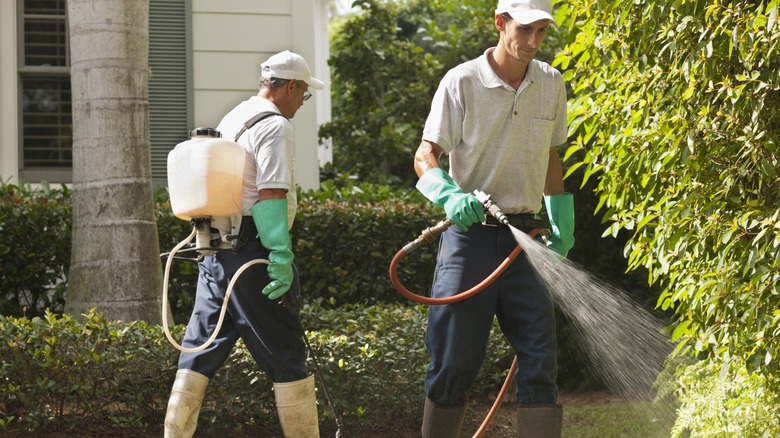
x=610 y=322
x=429 y=235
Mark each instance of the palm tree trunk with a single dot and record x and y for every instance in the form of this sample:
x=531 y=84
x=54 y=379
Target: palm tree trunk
x=115 y=264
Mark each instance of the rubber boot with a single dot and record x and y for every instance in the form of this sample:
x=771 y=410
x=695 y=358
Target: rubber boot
x=296 y=403
x=181 y=418
x=539 y=421
x=442 y=421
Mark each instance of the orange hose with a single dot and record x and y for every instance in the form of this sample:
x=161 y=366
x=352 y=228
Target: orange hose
x=496 y=404
x=460 y=297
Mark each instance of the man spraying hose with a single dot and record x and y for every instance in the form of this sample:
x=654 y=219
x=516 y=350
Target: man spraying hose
x=499 y=118
x=270 y=331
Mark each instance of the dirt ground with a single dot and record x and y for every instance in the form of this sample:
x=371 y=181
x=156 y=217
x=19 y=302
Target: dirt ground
x=502 y=425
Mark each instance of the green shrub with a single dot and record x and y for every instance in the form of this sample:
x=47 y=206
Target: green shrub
x=676 y=107
x=353 y=268
x=344 y=239
x=382 y=349
x=724 y=400
x=60 y=374
x=34 y=249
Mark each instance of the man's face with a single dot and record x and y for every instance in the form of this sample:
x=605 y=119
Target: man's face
x=522 y=41
x=298 y=92
x=301 y=93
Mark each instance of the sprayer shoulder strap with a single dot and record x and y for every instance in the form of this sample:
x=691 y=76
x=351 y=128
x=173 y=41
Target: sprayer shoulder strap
x=251 y=122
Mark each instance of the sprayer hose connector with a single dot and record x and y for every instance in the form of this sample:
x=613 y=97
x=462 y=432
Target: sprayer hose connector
x=428 y=235
x=455 y=298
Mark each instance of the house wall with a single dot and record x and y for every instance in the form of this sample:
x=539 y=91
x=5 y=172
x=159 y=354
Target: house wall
x=9 y=106
x=231 y=39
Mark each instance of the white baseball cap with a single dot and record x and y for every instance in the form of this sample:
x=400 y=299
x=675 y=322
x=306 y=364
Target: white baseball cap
x=527 y=11
x=289 y=65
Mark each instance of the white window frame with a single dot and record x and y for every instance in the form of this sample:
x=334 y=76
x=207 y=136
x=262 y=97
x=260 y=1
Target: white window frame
x=33 y=173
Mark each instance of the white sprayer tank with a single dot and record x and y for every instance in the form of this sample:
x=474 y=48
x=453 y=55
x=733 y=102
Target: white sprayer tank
x=205 y=175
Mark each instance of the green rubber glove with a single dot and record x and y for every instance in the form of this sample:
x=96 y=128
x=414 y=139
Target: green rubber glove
x=270 y=218
x=560 y=209
x=463 y=209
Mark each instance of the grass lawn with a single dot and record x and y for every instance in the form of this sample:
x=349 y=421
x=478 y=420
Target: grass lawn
x=618 y=420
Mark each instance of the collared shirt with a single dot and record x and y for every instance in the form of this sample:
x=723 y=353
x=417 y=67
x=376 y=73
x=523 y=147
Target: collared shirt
x=498 y=139
x=270 y=147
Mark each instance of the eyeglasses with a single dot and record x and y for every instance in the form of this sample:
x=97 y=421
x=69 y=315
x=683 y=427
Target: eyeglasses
x=306 y=93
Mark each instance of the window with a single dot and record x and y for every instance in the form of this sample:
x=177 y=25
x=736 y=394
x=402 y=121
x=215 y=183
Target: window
x=169 y=88
x=46 y=140
x=45 y=98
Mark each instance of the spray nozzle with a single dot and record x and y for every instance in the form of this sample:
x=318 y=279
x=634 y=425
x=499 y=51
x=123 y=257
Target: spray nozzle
x=432 y=233
x=491 y=207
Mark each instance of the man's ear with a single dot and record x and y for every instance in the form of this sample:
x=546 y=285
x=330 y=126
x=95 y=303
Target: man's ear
x=291 y=86
x=499 y=22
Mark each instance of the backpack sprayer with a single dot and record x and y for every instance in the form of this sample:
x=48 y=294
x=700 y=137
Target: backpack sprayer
x=431 y=234
x=204 y=180
x=205 y=176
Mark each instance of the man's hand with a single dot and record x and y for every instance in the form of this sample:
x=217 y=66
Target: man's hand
x=463 y=209
x=560 y=210
x=270 y=217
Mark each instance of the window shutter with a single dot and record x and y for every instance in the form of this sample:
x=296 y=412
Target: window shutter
x=169 y=89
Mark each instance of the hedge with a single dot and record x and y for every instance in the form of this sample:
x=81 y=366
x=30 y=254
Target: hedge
x=344 y=238
x=61 y=375
x=35 y=248
x=343 y=241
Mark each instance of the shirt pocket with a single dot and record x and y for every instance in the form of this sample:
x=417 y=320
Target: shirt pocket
x=540 y=133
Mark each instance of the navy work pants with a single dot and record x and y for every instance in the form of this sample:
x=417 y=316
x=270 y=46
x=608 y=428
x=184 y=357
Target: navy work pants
x=269 y=329
x=458 y=333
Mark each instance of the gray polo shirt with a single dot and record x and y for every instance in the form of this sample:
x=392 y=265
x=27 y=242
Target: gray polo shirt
x=498 y=139
x=270 y=147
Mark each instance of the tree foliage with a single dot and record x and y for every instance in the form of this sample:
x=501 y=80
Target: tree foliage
x=386 y=63
x=677 y=105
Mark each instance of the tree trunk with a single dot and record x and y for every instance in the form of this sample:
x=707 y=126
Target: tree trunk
x=115 y=263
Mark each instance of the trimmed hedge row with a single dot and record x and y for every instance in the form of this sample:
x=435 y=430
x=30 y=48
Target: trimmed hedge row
x=343 y=249
x=343 y=239
x=34 y=249
x=61 y=375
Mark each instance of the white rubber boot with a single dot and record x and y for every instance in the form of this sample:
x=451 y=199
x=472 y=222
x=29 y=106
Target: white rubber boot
x=296 y=403
x=539 y=421
x=181 y=418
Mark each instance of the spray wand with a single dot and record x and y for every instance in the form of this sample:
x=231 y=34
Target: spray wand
x=432 y=233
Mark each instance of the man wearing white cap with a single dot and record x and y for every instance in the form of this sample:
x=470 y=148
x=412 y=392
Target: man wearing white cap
x=499 y=118
x=259 y=309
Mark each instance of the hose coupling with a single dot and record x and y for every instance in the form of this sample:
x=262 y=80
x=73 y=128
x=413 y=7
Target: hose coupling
x=428 y=235
x=490 y=206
